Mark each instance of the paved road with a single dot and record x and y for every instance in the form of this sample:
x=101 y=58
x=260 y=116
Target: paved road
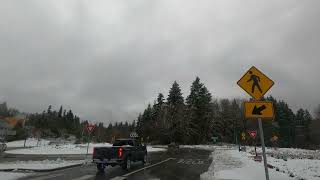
x=188 y=164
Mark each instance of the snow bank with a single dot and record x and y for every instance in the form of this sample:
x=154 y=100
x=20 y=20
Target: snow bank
x=38 y=165
x=210 y=147
x=300 y=163
x=11 y=175
x=232 y=164
x=31 y=142
x=300 y=168
x=291 y=153
x=68 y=149
x=153 y=149
x=59 y=149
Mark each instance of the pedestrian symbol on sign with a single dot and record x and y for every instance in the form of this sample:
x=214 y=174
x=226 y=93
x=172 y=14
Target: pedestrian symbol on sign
x=256 y=81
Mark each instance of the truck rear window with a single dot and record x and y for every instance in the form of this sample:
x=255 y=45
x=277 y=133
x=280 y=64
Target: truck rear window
x=123 y=143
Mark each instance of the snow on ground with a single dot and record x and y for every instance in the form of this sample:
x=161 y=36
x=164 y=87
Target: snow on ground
x=31 y=142
x=38 y=165
x=154 y=149
x=232 y=164
x=301 y=163
x=206 y=147
x=68 y=149
x=59 y=149
x=12 y=175
x=291 y=153
x=229 y=163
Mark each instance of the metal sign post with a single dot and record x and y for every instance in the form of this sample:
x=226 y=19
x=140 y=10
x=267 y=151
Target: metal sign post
x=263 y=149
x=88 y=145
x=90 y=128
x=256 y=84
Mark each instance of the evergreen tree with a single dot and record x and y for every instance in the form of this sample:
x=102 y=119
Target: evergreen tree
x=199 y=112
x=307 y=121
x=160 y=99
x=317 y=112
x=174 y=118
x=285 y=118
x=60 y=112
x=49 y=109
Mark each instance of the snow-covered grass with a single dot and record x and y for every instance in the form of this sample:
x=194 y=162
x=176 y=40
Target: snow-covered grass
x=300 y=163
x=229 y=163
x=68 y=149
x=207 y=147
x=38 y=165
x=232 y=164
x=59 y=149
x=299 y=168
x=12 y=175
x=155 y=149
x=291 y=153
x=31 y=142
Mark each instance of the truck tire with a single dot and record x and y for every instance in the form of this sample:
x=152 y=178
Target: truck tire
x=126 y=164
x=101 y=167
x=145 y=158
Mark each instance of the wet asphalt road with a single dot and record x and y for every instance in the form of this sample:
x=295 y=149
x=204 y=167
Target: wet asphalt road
x=187 y=164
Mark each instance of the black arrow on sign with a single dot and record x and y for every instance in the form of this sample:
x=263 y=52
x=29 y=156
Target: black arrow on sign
x=258 y=110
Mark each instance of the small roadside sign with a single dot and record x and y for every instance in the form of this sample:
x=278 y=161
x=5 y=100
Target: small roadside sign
x=259 y=109
x=253 y=134
x=274 y=138
x=90 y=128
x=255 y=83
x=134 y=135
x=243 y=136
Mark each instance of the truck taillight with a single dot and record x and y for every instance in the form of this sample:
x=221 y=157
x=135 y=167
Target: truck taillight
x=120 y=152
x=94 y=152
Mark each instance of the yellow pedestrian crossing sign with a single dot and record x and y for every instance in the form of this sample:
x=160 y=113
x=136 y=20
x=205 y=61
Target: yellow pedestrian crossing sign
x=255 y=83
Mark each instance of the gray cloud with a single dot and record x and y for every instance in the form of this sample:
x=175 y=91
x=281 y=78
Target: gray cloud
x=108 y=59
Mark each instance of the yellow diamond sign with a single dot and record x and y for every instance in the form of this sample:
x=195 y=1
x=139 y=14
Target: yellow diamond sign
x=255 y=83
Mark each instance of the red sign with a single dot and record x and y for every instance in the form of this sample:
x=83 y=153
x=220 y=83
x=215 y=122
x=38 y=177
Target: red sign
x=90 y=127
x=253 y=134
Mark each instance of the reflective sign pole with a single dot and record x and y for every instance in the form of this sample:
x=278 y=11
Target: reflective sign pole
x=263 y=149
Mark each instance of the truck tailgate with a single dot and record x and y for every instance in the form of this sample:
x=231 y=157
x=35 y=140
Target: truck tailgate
x=106 y=153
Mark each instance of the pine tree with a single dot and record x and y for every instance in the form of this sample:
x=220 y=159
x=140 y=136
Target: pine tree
x=307 y=121
x=317 y=112
x=199 y=112
x=174 y=116
x=160 y=99
x=140 y=124
x=285 y=118
x=60 y=112
x=175 y=96
x=49 y=109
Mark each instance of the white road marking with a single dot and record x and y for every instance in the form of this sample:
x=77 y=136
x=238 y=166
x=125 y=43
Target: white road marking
x=147 y=167
x=118 y=178
x=47 y=177
x=191 y=161
x=83 y=177
x=133 y=172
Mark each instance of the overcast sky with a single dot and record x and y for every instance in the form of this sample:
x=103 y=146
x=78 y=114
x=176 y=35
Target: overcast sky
x=108 y=59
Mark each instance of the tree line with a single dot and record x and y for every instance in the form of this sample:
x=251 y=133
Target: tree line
x=198 y=118
x=63 y=123
x=195 y=119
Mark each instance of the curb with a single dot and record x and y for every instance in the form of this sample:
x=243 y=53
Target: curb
x=43 y=170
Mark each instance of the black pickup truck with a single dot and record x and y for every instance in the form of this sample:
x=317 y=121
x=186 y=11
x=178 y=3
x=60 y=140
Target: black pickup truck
x=123 y=152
